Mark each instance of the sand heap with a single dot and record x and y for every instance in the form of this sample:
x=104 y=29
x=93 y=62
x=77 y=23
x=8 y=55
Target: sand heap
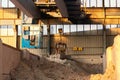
x=53 y=68
x=113 y=63
x=108 y=75
x=110 y=70
x=45 y=69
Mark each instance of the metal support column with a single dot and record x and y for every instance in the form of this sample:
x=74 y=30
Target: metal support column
x=104 y=39
x=16 y=28
x=49 y=38
x=104 y=48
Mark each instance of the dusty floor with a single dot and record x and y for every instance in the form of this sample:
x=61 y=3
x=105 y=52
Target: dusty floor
x=53 y=69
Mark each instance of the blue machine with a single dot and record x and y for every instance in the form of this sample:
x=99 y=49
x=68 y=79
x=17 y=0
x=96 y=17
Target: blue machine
x=31 y=36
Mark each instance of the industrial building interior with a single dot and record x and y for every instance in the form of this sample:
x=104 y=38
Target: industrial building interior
x=59 y=39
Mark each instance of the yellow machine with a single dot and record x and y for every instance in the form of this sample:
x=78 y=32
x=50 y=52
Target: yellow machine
x=60 y=46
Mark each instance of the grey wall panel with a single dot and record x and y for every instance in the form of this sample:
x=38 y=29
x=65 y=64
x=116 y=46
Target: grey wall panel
x=110 y=40
x=85 y=41
x=91 y=51
x=45 y=42
x=90 y=44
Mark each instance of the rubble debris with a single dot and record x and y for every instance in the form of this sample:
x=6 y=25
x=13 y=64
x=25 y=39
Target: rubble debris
x=51 y=68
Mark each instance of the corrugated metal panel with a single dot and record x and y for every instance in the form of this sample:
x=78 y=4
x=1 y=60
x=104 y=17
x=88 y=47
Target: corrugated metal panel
x=1 y=13
x=90 y=44
x=7 y=22
x=91 y=51
x=18 y=22
x=10 y=13
x=85 y=41
x=45 y=42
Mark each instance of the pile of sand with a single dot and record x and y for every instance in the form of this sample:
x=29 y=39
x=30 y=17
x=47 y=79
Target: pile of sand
x=34 y=67
x=43 y=69
x=108 y=75
x=110 y=70
x=113 y=63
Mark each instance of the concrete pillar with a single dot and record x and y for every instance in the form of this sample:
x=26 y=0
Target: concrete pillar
x=1 y=78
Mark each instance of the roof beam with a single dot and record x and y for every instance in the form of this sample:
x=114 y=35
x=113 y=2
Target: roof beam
x=62 y=7
x=28 y=7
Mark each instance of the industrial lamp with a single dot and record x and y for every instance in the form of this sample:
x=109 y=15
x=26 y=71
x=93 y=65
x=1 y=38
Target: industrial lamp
x=60 y=30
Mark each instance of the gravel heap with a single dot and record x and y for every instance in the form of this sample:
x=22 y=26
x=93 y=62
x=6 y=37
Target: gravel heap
x=52 y=68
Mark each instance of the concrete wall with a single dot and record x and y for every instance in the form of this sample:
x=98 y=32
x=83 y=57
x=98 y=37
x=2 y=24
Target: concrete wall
x=9 y=59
